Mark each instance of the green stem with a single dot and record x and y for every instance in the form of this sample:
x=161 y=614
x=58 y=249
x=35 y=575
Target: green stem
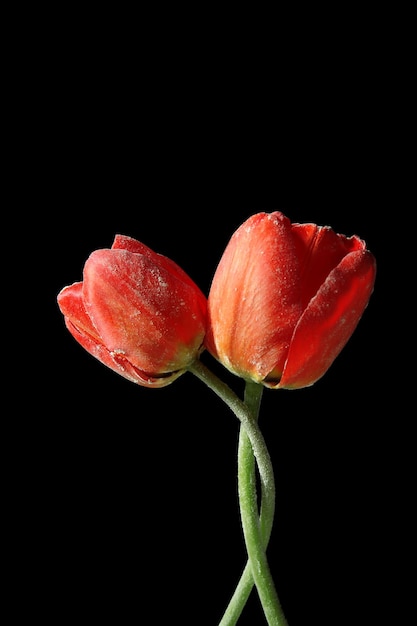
x=253 y=397
x=246 y=459
x=254 y=539
x=255 y=531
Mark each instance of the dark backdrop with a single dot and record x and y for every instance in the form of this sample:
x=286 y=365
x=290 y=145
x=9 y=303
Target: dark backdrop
x=137 y=488
x=129 y=494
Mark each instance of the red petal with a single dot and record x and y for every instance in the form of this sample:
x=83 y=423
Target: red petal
x=142 y=311
x=329 y=320
x=71 y=304
x=117 y=362
x=254 y=300
x=319 y=251
x=123 y=242
x=80 y=326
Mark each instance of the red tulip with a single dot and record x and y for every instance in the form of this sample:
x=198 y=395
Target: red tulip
x=137 y=312
x=285 y=299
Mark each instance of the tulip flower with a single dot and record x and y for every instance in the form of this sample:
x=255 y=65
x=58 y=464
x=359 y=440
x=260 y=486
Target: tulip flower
x=137 y=312
x=285 y=299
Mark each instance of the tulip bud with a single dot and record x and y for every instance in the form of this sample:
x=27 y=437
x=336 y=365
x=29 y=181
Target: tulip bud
x=285 y=299
x=137 y=312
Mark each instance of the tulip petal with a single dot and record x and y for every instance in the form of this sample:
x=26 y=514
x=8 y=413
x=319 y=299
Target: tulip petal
x=254 y=300
x=117 y=362
x=319 y=250
x=123 y=242
x=141 y=311
x=329 y=320
x=71 y=304
x=137 y=312
x=79 y=324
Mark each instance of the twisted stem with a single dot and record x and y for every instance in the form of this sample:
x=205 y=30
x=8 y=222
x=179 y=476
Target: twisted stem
x=256 y=532
x=246 y=467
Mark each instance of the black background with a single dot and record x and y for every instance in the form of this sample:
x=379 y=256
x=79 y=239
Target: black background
x=140 y=484
x=129 y=494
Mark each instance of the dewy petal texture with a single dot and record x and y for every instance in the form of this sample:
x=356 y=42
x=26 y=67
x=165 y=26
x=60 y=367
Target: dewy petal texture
x=137 y=312
x=285 y=299
x=254 y=300
x=329 y=320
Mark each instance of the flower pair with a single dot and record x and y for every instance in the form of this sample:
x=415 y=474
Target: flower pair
x=284 y=300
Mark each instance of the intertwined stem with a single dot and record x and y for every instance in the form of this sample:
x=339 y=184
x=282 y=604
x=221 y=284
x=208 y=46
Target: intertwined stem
x=256 y=530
